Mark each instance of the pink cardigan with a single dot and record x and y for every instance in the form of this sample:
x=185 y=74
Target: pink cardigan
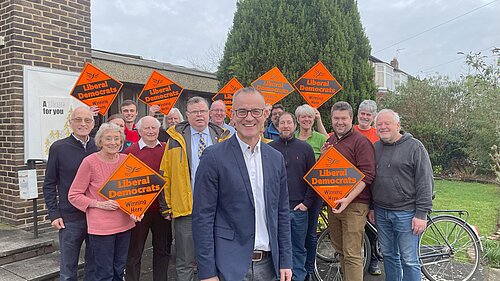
x=84 y=191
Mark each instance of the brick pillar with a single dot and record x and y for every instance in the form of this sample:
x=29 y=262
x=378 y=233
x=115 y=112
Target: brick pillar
x=47 y=33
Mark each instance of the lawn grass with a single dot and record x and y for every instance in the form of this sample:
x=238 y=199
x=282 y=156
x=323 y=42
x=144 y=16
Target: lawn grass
x=491 y=252
x=481 y=200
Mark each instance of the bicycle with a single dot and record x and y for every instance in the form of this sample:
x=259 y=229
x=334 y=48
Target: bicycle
x=327 y=265
x=449 y=248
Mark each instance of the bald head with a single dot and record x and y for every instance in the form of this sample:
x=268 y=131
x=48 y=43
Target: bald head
x=82 y=122
x=218 y=112
x=82 y=110
x=148 y=128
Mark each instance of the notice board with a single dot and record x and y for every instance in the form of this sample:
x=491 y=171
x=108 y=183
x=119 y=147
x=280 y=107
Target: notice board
x=47 y=108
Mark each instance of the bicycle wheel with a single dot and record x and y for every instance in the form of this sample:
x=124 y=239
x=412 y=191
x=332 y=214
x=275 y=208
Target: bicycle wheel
x=327 y=266
x=449 y=249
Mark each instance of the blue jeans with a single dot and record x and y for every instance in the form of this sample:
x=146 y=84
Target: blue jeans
x=298 y=224
x=110 y=255
x=398 y=244
x=312 y=234
x=70 y=240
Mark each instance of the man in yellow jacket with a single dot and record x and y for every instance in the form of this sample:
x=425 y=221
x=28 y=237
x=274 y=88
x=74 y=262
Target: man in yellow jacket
x=185 y=144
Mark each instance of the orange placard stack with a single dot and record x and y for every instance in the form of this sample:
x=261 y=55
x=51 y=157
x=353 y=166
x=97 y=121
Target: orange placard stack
x=317 y=85
x=273 y=85
x=134 y=185
x=333 y=177
x=161 y=91
x=96 y=88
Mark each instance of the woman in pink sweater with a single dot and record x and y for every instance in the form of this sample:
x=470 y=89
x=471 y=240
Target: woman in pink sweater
x=107 y=225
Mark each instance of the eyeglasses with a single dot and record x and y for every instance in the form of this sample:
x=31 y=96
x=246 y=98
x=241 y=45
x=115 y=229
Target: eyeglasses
x=198 y=112
x=80 y=120
x=242 y=113
x=218 y=110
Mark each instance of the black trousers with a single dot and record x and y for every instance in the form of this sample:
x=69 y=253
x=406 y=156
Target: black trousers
x=162 y=241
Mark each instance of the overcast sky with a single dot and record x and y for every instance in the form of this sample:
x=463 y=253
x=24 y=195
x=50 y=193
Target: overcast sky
x=193 y=32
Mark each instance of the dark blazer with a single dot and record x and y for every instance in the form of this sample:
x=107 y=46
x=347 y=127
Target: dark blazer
x=224 y=214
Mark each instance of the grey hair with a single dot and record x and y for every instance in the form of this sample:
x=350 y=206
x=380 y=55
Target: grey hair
x=395 y=115
x=304 y=109
x=196 y=99
x=106 y=127
x=369 y=105
x=342 y=105
x=173 y=110
x=138 y=125
x=247 y=90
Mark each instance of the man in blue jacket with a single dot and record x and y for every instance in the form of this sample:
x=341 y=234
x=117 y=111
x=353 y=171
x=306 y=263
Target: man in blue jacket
x=65 y=156
x=271 y=131
x=241 y=225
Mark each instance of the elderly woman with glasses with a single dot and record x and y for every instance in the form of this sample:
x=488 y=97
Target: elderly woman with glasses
x=107 y=225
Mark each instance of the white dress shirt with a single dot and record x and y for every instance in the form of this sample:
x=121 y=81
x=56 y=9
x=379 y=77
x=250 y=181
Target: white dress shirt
x=142 y=144
x=253 y=161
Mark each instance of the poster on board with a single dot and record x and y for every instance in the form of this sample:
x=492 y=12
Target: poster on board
x=47 y=108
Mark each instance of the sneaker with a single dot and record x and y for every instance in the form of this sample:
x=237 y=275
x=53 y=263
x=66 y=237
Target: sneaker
x=373 y=269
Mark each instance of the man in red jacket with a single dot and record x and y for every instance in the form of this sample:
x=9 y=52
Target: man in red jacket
x=347 y=222
x=128 y=109
x=150 y=151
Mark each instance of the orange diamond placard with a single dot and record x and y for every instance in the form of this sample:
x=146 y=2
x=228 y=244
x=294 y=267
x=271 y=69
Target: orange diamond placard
x=96 y=88
x=227 y=93
x=161 y=91
x=273 y=85
x=317 y=85
x=333 y=177
x=134 y=185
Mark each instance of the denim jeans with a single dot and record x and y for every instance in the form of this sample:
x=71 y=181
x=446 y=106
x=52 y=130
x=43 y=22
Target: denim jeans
x=298 y=224
x=110 y=255
x=70 y=240
x=312 y=234
x=398 y=244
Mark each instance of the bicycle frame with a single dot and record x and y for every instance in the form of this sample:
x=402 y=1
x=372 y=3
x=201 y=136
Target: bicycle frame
x=444 y=247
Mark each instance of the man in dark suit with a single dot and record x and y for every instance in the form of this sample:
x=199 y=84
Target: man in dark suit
x=241 y=225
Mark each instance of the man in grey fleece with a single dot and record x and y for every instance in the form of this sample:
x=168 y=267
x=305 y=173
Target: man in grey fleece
x=402 y=196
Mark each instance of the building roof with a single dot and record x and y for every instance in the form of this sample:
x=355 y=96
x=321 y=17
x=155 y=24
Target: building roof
x=135 y=69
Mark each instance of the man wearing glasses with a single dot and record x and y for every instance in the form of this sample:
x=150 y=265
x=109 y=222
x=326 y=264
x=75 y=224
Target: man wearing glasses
x=218 y=114
x=241 y=213
x=185 y=144
x=271 y=131
x=65 y=157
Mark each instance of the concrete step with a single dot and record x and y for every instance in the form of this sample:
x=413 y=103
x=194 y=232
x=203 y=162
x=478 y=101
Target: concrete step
x=17 y=245
x=43 y=267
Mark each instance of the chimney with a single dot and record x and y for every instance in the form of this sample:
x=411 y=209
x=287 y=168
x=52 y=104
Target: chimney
x=395 y=63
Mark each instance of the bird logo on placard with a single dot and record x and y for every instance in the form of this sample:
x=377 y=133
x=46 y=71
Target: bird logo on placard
x=318 y=73
x=91 y=76
x=131 y=170
x=273 y=77
x=331 y=161
x=156 y=82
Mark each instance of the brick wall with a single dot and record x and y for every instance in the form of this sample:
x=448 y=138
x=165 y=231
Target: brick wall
x=46 y=33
